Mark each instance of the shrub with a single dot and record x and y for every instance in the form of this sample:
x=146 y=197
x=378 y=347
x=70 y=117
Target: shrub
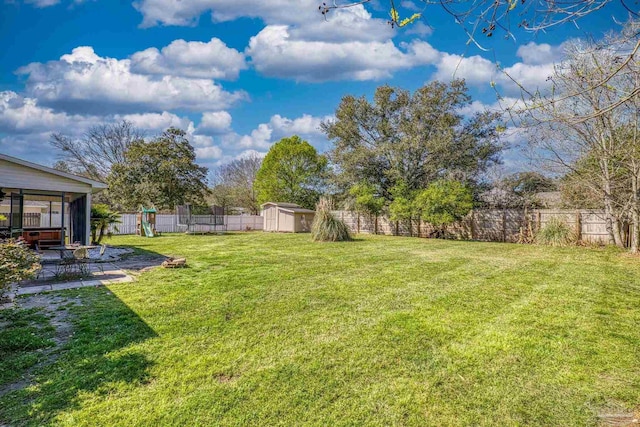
x=17 y=262
x=326 y=227
x=556 y=233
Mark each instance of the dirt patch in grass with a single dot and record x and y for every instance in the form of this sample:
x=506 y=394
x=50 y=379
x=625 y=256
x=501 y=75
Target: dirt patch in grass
x=141 y=262
x=618 y=418
x=226 y=378
x=44 y=323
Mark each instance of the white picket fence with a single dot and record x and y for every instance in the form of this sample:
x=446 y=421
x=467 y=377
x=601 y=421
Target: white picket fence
x=168 y=223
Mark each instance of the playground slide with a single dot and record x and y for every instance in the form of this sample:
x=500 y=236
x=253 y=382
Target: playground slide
x=148 y=231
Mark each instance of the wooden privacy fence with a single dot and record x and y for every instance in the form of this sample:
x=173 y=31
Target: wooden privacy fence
x=495 y=225
x=168 y=223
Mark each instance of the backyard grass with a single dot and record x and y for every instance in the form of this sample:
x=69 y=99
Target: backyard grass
x=271 y=329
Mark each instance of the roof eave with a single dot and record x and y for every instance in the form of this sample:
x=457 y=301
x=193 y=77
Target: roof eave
x=94 y=184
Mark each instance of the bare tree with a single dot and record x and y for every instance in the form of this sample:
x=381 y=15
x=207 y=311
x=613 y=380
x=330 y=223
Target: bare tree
x=582 y=128
x=233 y=183
x=98 y=150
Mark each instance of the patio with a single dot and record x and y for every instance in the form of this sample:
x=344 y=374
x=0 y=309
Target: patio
x=99 y=274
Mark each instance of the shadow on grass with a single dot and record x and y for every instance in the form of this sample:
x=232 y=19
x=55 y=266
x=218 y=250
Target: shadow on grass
x=98 y=359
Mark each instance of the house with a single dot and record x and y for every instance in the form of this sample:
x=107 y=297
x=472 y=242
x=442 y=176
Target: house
x=60 y=201
x=287 y=217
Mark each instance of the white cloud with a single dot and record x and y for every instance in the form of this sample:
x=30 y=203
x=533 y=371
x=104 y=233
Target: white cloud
x=538 y=54
x=27 y=127
x=476 y=70
x=201 y=140
x=531 y=77
x=42 y=3
x=215 y=122
x=305 y=125
x=259 y=138
x=156 y=122
x=481 y=72
x=186 y=13
x=212 y=60
x=23 y=115
x=209 y=153
x=342 y=25
x=419 y=28
x=275 y=53
x=410 y=5
x=172 y=12
x=265 y=134
x=303 y=16
x=84 y=81
x=46 y=3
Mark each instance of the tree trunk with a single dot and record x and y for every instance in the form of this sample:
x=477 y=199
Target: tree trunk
x=635 y=217
x=613 y=226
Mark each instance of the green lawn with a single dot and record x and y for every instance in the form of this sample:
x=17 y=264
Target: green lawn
x=268 y=329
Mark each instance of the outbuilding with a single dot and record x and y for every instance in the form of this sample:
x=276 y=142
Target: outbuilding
x=287 y=218
x=44 y=206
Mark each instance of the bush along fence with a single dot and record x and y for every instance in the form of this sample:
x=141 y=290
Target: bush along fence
x=494 y=225
x=168 y=223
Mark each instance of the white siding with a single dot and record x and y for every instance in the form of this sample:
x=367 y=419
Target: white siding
x=13 y=175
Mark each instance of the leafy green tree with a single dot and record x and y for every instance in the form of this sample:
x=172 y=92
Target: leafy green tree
x=101 y=219
x=162 y=173
x=411 y=139
x=443 y=203
x=366 y=200
x=402 y=207
x=292 y=171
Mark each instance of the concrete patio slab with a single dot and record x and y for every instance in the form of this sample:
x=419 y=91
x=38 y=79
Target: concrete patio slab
x=110 y=277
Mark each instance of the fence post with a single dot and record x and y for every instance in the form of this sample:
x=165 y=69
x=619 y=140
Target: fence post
x=538 y=220
x=358 y=222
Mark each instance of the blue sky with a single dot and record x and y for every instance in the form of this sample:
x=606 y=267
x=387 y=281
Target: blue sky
x=237 y=75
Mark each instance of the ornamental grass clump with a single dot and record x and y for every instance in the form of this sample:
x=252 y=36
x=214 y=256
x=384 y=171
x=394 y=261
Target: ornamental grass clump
x=556 y=233
x=326 y=227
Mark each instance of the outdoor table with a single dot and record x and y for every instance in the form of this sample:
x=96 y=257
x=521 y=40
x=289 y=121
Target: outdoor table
x=66 y=251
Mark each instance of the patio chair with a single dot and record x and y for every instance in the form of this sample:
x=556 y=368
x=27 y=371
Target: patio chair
x=81 y=256
x=100 y=263
x=67 y=263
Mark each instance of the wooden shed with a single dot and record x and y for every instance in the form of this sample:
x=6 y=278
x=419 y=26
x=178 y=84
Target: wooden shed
x=287 y=218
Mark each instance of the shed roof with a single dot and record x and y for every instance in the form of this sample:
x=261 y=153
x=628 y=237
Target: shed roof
x=282 y=205
x=296 y=210
x=41 y=168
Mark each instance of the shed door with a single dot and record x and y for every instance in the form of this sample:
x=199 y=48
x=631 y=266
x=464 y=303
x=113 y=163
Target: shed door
x=270 y=219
